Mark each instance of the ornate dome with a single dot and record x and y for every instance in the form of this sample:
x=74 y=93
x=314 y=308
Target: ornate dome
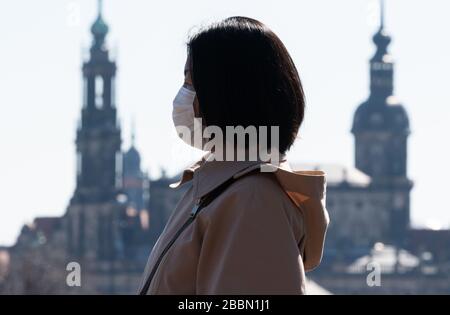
x=132 y=156
x=99 y=28
x=385 y=116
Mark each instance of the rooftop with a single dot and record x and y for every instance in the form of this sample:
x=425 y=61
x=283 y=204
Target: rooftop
x=337 y=174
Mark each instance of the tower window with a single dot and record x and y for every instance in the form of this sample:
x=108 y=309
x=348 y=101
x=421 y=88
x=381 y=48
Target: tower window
x=98 y=91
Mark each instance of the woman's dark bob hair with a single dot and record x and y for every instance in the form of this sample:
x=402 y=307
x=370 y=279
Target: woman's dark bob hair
x=244 y=76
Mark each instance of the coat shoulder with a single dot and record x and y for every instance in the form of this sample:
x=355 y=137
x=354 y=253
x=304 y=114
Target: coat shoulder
x=260 y=198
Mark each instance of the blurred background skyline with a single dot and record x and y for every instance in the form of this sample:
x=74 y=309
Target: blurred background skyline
x=330 y=42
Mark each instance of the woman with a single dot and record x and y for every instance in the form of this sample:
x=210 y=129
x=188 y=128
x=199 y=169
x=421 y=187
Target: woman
x=238 y=229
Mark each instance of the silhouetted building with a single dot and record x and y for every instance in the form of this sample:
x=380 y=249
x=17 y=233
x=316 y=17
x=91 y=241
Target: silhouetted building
x=94 y=207
x=371 y=203
x=106 y=227
x=381 y=130
x=135 y=181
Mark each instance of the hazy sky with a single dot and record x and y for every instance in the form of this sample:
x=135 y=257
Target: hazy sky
x=329 y=40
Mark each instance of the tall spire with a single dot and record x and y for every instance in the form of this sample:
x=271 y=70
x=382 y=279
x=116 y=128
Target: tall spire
x=132 y=158
x=133 y=132
x=381 y=38
x=381 y=14
x=100 y=7
x=381 y=64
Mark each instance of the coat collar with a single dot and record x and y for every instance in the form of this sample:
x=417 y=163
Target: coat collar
x=207 y=174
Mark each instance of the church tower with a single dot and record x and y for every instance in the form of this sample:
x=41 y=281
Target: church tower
x=98 y=136
x=135 y=181
x=381 y=130
x=95 y=210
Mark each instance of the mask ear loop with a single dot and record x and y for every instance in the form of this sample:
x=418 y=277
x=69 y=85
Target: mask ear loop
x=189 y=87
x=197 y=109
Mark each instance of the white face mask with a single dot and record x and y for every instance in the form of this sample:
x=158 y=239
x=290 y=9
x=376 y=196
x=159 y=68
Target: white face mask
x=188 y=128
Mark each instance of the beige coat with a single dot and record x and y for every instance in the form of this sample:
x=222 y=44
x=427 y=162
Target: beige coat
x=257 y=237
